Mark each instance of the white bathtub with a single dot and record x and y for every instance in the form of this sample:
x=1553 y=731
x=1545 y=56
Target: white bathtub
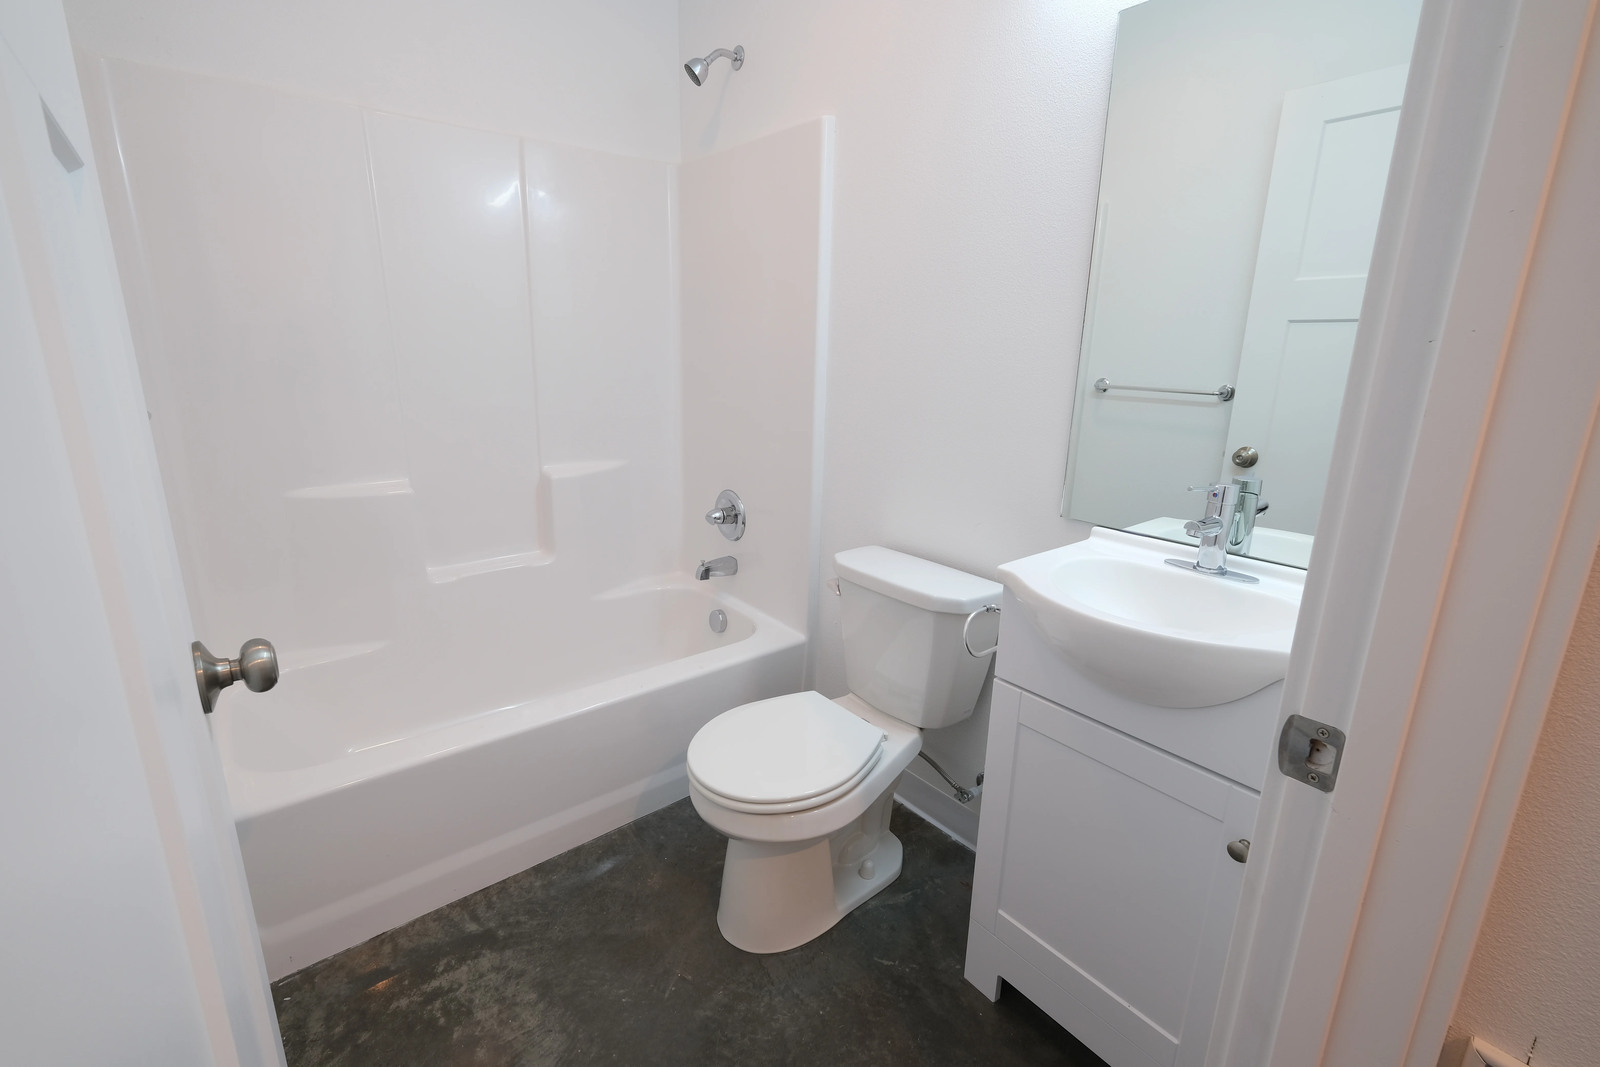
x=374 y=787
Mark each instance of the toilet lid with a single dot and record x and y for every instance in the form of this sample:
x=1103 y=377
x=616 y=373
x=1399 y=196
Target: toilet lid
x=786 y=749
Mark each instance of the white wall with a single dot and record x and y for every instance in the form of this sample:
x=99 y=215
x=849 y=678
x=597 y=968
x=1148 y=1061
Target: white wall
x=1192 y=125
x=754 y=224
x=1535 y=972
x=599 y=74
x=968 y=153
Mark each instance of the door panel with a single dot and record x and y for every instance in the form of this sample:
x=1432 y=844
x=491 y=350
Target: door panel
x=126 y=923
x=1329 y=171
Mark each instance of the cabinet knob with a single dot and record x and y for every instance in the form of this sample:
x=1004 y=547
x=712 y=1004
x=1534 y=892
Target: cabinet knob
x=1239 y=850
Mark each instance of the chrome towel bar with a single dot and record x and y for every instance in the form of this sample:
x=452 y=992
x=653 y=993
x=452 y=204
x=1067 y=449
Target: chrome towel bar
x=1221 y=392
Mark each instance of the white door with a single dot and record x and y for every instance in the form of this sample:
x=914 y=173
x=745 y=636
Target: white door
x=1328 y=175
x=126 y=925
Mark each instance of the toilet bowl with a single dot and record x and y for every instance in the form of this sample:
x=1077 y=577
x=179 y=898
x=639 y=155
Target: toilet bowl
x=803 y=785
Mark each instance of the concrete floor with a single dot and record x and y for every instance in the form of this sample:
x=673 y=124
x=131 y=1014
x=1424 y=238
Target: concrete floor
x=610 y=953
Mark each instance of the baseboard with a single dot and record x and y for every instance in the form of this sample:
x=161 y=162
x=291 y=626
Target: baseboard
x=935 y=804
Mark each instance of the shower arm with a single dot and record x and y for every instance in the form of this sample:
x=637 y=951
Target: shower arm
x=723 y=53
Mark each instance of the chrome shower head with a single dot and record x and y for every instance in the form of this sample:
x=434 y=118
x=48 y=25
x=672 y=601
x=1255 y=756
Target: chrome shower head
x=697 y=68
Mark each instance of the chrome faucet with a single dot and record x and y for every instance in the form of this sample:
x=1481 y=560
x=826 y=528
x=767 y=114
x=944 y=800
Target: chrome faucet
x=1242 y=528
x=721 y=567
x=1222 y=500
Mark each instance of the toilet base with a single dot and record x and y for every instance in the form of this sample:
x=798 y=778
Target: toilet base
x=778 y=895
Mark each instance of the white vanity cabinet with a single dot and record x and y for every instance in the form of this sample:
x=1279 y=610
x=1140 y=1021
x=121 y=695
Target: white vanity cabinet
x=1104 y=890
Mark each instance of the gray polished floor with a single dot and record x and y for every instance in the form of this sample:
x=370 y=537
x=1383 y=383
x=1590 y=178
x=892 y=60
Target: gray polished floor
x=610 y=954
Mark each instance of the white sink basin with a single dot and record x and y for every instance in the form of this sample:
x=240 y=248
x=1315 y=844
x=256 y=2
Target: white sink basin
x=1154 y=633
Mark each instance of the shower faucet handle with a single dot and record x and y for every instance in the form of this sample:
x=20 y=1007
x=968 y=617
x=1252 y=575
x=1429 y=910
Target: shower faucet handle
x=728 y=515
x=256 y=667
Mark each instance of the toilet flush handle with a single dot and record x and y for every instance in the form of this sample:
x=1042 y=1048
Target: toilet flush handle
x=966 y=638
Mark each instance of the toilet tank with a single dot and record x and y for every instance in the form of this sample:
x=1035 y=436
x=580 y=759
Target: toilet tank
x=902 y=618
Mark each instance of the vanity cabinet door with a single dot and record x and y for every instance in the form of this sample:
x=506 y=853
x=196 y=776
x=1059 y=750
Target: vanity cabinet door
x=1106 y=886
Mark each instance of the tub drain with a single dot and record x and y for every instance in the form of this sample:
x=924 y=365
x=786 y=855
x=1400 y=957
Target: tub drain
x=718 y=620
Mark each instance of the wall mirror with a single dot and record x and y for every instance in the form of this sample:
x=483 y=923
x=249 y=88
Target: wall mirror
x=1247 y=148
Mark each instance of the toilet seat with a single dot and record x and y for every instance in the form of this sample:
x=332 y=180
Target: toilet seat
x=785 y=754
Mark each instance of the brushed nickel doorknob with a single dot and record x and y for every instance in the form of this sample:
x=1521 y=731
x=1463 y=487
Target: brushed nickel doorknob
x=257 y=667
x=1239 y=850
x=1245 y=456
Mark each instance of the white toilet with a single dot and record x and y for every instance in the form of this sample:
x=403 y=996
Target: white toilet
x=803 y=785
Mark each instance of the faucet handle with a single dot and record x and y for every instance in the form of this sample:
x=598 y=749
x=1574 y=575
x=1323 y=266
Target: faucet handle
x=728 y=515
x=1220 y=497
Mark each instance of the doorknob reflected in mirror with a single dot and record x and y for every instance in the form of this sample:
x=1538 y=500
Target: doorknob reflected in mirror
x=257 y=667
x=1245 y=456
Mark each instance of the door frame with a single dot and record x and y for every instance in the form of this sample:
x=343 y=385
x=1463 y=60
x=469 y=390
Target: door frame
x=1450 y=560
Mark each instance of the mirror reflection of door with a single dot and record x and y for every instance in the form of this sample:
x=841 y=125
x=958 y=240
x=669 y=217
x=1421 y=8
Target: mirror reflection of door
x=1246 y=154
x=1328 y=175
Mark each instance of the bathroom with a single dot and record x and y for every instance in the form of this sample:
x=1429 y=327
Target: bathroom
x=421 y=340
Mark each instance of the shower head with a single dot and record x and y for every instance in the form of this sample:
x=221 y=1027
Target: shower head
x=697 y=68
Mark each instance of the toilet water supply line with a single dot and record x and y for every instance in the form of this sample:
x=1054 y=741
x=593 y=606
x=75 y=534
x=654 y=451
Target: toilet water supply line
x=963 y=794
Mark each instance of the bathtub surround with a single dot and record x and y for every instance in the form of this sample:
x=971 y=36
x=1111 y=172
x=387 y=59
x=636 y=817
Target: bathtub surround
x=754 y=228
x=404 y=318
x=610 y=954
x=602 y=74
